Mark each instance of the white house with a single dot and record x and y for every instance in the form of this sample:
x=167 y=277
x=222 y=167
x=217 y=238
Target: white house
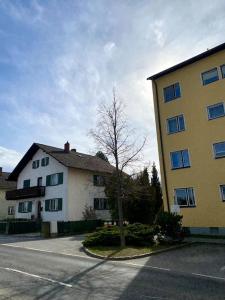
x=55 y=184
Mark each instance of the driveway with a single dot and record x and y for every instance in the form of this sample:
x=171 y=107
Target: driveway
x=65 y=245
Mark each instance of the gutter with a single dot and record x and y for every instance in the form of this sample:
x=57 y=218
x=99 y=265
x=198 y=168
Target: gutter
x=161 y=143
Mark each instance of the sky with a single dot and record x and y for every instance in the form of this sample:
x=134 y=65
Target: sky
x=60 y=59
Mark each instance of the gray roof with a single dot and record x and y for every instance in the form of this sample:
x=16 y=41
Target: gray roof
x=4 y=184
x=71 y=160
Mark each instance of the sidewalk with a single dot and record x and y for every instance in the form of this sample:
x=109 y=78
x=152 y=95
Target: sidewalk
x=219 y=241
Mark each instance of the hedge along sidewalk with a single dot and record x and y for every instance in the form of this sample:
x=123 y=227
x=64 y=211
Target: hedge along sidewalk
x=169 y=248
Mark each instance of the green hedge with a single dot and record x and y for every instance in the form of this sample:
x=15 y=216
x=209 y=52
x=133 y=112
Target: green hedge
x=135 y=235
x=72 y=227
x=3 y=227
x=23 y=227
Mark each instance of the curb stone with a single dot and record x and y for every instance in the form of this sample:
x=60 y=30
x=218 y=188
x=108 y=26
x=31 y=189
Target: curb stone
x=117 y=258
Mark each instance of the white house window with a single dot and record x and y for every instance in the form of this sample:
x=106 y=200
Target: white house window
x=35 y=164
x=180 y=159
x=184 y=197
x=101 y=204
x=210 y=76
x=99 y=180
x=45 y=161
x=25 y=207
x=216 y=111
x=54 y=179
x=53 y=204
x=222 y=190
x=175 y=124
x=11 y=210
x=171 y=92
x=223 y=71
x=219 y=149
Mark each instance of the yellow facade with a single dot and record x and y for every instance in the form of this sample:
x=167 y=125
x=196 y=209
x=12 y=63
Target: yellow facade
x=205 y=173
x=4 y=206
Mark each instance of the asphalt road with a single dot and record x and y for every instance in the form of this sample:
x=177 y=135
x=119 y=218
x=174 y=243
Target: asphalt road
x=27 y=274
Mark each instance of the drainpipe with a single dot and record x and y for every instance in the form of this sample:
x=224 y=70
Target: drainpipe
x=161 y=143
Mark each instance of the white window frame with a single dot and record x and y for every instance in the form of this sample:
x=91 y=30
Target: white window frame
x=215 y=68
x=177 y=118
x=217 y=157
x=183 y=167
x=11 y=210
x=53 y=204
x=176 y=98
x=24 y=207
x=221 y=193
x=214 y=105
x=187 y=197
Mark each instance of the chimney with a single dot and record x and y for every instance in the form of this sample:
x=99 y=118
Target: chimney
x=67 y=147
x=0 y=171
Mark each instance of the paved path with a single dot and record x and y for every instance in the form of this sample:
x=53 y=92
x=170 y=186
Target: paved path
x=27 y=274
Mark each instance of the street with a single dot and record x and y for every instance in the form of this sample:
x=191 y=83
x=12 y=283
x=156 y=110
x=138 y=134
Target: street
x=30 y=274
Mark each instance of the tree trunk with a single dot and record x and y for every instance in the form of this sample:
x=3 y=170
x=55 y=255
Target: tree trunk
x=120 y=211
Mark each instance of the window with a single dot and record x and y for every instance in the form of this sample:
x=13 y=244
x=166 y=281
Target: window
x=219 y=149
x=184 y=197
x=99 y=180
x=45 y=161
x=53 y=204
x=216 y=111
x=223 y=71
x=11 y=210
x=54 y=179
x=25 y=207
x=210 y=76
x=101 y=204
x=172 y=92
x=175 y=124
x=180 y=159
x=39 y=181
x=26 y=183
x=222 y=190
x=35 y=164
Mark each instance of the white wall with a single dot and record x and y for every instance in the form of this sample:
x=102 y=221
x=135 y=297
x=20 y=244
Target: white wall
x=58 y=191
x=82 y=192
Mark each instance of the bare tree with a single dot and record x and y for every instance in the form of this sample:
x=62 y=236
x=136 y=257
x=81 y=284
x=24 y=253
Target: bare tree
x=116 y=139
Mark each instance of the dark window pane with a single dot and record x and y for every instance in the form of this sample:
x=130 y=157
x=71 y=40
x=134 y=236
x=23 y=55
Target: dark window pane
x=219 y=149
x=185 y=156
x=172 y=125
x=210 y=76
x=177 y=90
x=216 y=111
x=222 y=188
x=176 y=160
x=223 y=71
x=191 y=197
x=181 y=123
x=181 y=197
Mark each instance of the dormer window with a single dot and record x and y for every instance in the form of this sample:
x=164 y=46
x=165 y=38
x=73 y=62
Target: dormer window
x=99 y=180
x=45 y=161
x=35 y=164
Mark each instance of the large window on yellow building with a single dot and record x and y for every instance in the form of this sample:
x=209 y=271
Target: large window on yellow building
x=171 y=92
x=223 y=71
x=222 y=190
x=219 y=149
x=210 y=76
x=175 y=124
x=184 y=197
x=180 y=159
x=216 y=111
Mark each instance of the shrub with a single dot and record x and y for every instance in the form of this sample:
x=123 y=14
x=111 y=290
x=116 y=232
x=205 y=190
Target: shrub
x=135 y=235
x=170 y=224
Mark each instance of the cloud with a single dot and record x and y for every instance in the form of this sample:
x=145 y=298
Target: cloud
x=9 y=158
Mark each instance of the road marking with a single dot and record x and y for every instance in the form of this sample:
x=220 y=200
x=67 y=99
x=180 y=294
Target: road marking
x=143 y=266
x=38 y=277
x=209 y=276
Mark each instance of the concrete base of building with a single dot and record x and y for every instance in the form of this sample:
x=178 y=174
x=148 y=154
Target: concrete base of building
x=214 y=231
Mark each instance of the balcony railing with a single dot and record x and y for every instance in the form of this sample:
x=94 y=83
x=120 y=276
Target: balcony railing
x=31 y=192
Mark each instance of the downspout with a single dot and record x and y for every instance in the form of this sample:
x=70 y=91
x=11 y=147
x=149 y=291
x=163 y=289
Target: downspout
x=161 y=144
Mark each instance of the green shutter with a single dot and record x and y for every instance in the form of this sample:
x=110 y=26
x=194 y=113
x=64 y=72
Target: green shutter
x=60 y=178
x=33 y=164
x=37 y=163
x=95 y=179
x=59 y=203
x=30 y=206
x=46 y=161
x=48 y=180
x=20 y=207
x=47 y=204
x=26 y=183
x=42 y=162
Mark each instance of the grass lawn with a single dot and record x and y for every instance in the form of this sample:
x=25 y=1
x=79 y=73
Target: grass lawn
x=115 y=251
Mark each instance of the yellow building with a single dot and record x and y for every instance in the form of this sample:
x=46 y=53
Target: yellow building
x=7 y=208
x=190 y=119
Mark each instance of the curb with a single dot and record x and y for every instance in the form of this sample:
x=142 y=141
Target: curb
x=119 y=258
